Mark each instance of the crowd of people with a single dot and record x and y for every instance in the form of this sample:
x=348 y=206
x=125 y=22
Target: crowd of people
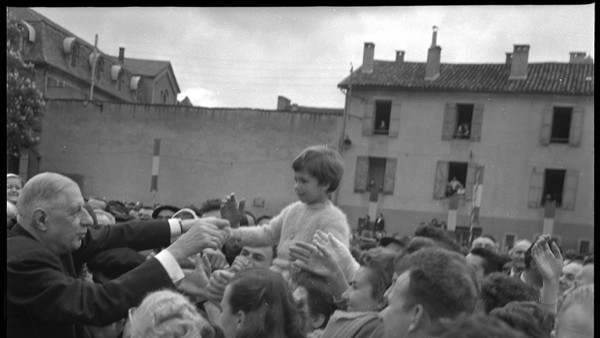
x=86 y=267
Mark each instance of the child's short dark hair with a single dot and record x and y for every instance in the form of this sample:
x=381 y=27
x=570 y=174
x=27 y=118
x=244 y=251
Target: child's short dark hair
x=323 y=163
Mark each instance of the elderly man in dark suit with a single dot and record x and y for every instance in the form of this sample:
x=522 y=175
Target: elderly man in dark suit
x=44 y=297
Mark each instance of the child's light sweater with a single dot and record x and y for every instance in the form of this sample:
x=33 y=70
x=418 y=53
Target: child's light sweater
x=298 y=222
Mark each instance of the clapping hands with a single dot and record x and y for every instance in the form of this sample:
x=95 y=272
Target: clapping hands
x=231 y=210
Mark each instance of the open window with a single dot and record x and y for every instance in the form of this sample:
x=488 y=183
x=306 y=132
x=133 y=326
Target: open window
x=383 y=111
x=456 y=176
x=375 y=172
x=562 y=125
x=381 y=117
x=557 y=185
x=462 y=121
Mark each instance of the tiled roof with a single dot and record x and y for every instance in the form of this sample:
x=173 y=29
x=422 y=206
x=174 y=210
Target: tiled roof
x=143 y=67
x=542 y=78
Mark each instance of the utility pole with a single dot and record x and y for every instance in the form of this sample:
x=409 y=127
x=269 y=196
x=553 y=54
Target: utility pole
x=95 y=57
x=343 y=133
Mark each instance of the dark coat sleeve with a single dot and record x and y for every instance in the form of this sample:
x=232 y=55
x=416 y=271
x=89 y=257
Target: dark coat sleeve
x=136 y=235
x=39 y=284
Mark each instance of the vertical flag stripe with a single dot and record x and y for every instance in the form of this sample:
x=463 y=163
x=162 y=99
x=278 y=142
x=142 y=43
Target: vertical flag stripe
x=452 y=214
x=476 y=199
x=550 y=209
x=155 y=162
x=453 y=205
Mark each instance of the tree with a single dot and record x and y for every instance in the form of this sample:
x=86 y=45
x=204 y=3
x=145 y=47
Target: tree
x=24 y=102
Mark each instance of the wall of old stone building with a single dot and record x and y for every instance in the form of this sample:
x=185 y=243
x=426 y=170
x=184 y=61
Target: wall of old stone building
x=204 y=153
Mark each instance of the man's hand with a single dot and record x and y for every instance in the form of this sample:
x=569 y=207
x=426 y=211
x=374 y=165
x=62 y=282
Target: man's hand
x=216 y=258
x=240 y=263
x=548 y=259
x=201 y=236
x=217 y=284
x=231 y=210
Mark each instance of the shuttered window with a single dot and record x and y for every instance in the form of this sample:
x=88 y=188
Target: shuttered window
x=367 y=127
x=390 y=176
x=441 y=180
x=362 y=174
x=395 y=120
x=462 y=121
x=562 y=125
x=570 y=189
x=536 y=187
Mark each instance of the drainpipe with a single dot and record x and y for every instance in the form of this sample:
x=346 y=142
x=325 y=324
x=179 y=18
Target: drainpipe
x=343 y=133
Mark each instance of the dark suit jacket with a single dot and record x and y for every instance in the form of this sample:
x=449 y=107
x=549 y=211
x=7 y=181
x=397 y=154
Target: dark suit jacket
x=44 y=297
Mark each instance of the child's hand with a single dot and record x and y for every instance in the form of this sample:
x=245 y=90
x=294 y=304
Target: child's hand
x=231 y=211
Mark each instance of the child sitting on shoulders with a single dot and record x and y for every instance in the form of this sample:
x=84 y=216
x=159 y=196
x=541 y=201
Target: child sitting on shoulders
x=318 y=171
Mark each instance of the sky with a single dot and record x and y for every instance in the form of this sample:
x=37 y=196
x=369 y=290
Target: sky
x=247 y=57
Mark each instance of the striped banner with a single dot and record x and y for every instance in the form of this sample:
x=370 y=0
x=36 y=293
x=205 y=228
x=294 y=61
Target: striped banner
x=549 y=213
x=477 y=188
x=452 y=212
x=155 y=160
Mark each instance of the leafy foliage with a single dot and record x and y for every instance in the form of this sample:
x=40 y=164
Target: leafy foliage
x=24 y=102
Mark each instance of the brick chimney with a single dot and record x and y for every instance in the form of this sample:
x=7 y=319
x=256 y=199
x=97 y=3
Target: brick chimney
x=508 y=58
x=368 y=55
x=432 y=68
x=283 y=103
x=576 y=57
x=400 y=56
x=121 y=54
x=518 y=65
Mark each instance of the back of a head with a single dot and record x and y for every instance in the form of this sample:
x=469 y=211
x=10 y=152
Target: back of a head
x=528 y=317
x=493 y=262
x=575 y=316
x=44 y=189
x=480 y=326
x=381 y=264
x=499 y=289
x=438 y=234
x=441 y=281
x=265 y=292
x=319 y=295
x=323 y=163
x=166 y=313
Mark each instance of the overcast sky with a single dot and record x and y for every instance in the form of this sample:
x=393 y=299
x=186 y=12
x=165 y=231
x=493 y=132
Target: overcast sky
x=246 y=57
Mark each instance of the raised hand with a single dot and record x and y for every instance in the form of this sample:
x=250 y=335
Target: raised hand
x=231 y=210
x=196 y=281
x=216 y=259
x=217 y=284
x=313 y=258
x=240 y=263
x=548 y=259
x=340 y=252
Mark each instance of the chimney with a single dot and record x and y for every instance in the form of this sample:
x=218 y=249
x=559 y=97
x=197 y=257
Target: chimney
x=400 y=56
x=576 y=57
x=368 y=54
x=121 y=54
x=508 y=58
x=283 y=103
x=432 y=68
x=518 y=64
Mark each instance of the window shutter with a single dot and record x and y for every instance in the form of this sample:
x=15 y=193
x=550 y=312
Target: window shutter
x=476 y=122
x=395 y=119
x=449 y=122
x=362 y=171
x=441 y=180
x=368 y=118
x=570 y=189
x=536 y=187
x=546 y=125
x=390 y=176
x=470 y=180
x=576 y=127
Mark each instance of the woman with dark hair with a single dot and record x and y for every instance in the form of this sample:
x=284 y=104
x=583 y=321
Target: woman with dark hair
x=258 y=304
